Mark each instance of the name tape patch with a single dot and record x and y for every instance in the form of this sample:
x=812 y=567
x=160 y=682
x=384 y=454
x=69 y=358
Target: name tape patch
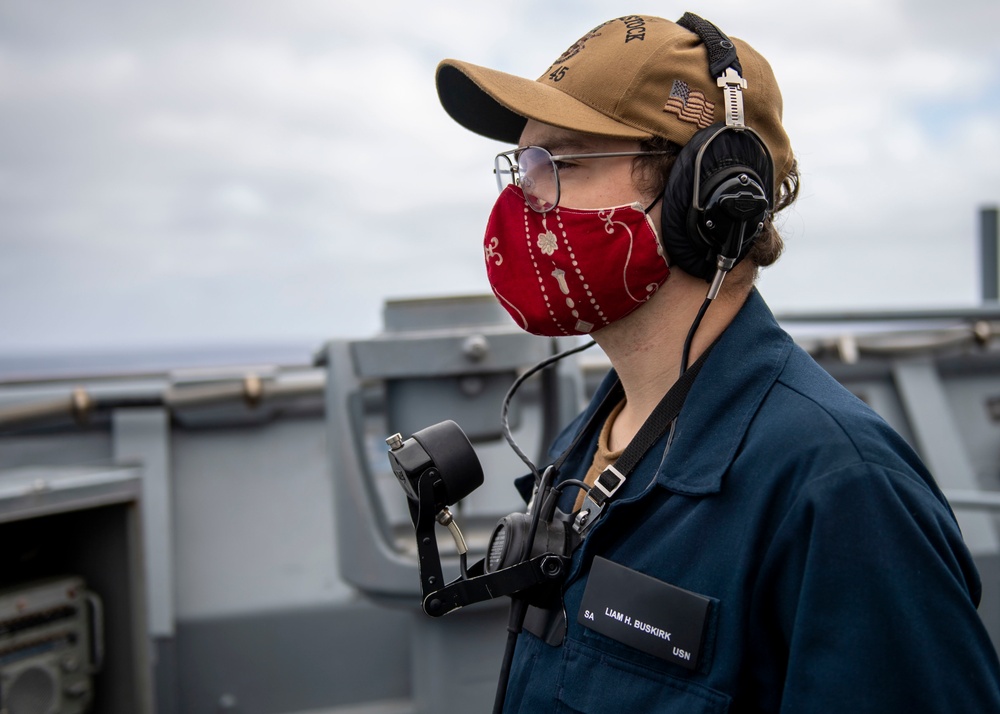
x=640 y=611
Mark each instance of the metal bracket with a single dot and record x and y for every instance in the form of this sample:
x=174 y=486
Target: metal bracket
x=732 y=86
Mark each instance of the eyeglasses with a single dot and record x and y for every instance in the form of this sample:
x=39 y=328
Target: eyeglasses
x=536 y=172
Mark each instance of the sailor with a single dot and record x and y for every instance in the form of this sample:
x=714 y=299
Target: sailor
x=775 y=546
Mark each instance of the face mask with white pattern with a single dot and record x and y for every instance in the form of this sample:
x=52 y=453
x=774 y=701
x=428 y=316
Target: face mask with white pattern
x=571 y=271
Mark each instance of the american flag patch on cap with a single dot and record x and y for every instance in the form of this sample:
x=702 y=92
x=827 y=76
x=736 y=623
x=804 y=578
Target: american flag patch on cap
x=689 y=105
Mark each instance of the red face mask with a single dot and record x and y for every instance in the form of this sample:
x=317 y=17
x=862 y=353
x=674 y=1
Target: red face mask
x=571 y=271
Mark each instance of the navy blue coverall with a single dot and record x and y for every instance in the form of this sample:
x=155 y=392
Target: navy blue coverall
x=837 y=574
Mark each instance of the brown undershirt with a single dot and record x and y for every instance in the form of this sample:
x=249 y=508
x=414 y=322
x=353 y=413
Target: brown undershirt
x=603 y=457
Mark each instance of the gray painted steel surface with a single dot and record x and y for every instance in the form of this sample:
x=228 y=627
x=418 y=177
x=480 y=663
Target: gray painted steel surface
x=260 y=552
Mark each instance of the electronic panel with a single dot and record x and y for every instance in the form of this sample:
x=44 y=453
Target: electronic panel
x=50 y=647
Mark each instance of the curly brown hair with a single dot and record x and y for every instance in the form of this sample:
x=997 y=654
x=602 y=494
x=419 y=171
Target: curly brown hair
x=650 y=174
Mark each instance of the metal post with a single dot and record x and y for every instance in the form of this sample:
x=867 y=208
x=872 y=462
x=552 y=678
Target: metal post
x=988 y=250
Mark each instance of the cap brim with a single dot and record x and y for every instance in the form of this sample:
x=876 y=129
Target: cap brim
x=497 y=105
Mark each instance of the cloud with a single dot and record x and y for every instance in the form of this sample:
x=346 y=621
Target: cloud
x=204 y=172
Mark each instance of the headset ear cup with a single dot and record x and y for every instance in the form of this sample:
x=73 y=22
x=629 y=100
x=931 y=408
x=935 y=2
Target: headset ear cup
x=720 y=155
x=678 y=195
x=730 y=213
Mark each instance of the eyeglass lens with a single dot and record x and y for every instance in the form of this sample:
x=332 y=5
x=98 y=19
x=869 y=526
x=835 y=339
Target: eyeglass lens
x=535 y=174
x=504 y=171
x=538 y=178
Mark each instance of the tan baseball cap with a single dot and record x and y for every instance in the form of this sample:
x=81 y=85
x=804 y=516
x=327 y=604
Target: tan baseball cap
x=633 y=77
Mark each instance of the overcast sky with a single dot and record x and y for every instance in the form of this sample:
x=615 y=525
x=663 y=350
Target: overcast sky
x=206 y=173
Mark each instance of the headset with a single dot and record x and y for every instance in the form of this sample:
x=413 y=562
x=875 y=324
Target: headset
x=720 y=189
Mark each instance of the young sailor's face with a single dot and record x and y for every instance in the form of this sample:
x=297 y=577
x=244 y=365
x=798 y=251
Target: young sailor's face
x=590 y=183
